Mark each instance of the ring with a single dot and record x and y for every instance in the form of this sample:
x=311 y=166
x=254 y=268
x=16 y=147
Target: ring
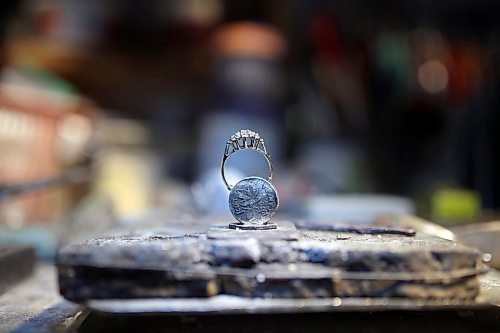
x=245 y=139
x=253 y=200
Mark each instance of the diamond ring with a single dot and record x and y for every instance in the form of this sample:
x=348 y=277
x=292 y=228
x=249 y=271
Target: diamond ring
x=253 y=200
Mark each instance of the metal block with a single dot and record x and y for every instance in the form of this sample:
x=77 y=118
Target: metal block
x=279 y=263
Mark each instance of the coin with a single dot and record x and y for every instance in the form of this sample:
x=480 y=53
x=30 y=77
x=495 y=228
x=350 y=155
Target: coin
x=253 y=200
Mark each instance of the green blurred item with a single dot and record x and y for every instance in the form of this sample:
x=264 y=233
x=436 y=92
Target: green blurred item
x=455 y=205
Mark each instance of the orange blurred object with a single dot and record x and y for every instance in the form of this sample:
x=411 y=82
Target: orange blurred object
x=249 y=39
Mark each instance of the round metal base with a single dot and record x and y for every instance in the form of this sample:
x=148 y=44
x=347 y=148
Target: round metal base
x=241 y=226
x=283 y=231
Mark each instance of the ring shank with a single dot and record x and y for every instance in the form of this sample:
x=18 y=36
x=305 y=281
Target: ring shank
x=225 y=157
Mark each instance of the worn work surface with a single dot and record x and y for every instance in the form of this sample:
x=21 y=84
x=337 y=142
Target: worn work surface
x=16 y=263
x=34 y=305
x=305 y=264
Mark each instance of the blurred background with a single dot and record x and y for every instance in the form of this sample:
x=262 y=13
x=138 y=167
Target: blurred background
x=114 y=114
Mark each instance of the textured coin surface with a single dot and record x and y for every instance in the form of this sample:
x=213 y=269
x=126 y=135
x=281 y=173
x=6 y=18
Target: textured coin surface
x=253 y=200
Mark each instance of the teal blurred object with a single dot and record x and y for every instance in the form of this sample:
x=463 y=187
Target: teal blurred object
x=393 y=59
x=355 y=208
x=43 y=239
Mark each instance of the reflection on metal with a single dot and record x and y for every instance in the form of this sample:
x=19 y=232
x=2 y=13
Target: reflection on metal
x=225 y=304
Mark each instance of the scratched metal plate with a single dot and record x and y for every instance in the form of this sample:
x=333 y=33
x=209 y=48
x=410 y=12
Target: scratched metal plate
x=286 y=270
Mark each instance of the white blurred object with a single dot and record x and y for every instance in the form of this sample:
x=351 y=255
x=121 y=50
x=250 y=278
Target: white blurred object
x=355 y=208
x=333 y=167
x=210 y=193
x=74 y=133
x=433 y=76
